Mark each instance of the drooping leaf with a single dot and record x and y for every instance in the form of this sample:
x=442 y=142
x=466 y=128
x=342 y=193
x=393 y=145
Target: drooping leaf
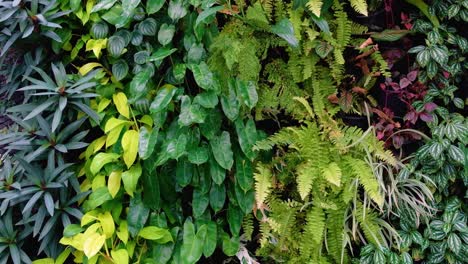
x=222 y=152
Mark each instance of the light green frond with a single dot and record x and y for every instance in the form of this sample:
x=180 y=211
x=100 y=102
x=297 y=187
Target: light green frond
x=360 y=6
x=315 y=6
x=263 y=184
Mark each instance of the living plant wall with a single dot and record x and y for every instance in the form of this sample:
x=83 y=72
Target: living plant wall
x=204 y=131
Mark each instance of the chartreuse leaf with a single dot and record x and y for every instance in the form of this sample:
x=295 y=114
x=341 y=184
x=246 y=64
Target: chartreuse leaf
x=113 y=122
x=222 y=152
x=44 y=261
x=122 y=232
x=93 y=244
x=113 y=184
x=88 y=67
x=130 y=147
x=121 y=103
x=107 y=224
x=130 y=178
x=161 y=235
x=96 y=45
x=120 y=256
x=102 y=159
x=230 y=245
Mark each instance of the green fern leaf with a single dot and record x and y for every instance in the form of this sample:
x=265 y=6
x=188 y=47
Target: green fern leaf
x=263 y=184
x=332 y=174
x=306 y=173
x=360 y=6
x=315 y=6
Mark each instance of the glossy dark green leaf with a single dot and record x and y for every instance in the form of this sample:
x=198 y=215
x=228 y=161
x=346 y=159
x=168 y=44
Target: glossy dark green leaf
x=151 y=192
x=203 y=76
x=163 y=98
x=120 y=69
x=200 y=202
x=244 y=173
x=206 y=14
x=230 y=104
x=177 y=9
x=454 y=243
x=212 y=124
x=230 y=245
x=217 y=197
x=184 y=172
x=115 y=46
x=198 y=155
x=211 y=239
x=190 y=113
x=153 y=6
x=247 y=137
x=247 y=91
x=101 y=5
x=147 y=142
x=138 y=84
x=222 y=152
x=192 y=247
x=245 y=200
x=207 y=99
x=234 y=216
x=165 y=34
x=216 y=171
x=161 y=53
x=285 y=30
x=137 y=215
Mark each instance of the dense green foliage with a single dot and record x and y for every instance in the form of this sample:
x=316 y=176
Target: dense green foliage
x=203 y=131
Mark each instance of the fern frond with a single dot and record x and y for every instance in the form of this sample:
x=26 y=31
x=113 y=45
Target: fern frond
x=366 y=177
x=332 y=173
x=283 y=137
x=381 y=63
x=263 y=184
x=315 y=6
x=358 y=29
x=306 y=173
x=316 y=224
x=360 y=6
x=343 y=28
x=268 y=6
x=335 y=235
x=248 y=227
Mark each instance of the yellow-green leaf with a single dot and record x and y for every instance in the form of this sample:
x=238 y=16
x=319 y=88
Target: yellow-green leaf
x=107 y=224
x=113 y=123
x=102 y=159
x=122 y=233
x=120 y=101
x=89 y=217
x=88 y=67
x=120 y=256
x=76 y=241
x=98 y=182
x=44 y=261
x=93 y=244
x=130 y=147
x=113 y=136
x=103 y=104
x=99 y=143
x=63 y=256
x=113 y=184
x=147 y=120
x=155 y=233
x=96 y=45
x=130 y=178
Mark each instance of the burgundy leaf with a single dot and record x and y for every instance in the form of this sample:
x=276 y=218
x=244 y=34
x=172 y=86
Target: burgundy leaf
x=426 y=117
x=412 y=75
x=429 y=107
x=404 y=82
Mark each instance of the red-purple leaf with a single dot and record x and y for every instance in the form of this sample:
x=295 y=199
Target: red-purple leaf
x=412 y=75
x=404 y=82
x=426 y=117
x=429 y=107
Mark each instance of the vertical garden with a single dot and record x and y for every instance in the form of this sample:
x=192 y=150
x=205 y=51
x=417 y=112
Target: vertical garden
x=204 y=131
